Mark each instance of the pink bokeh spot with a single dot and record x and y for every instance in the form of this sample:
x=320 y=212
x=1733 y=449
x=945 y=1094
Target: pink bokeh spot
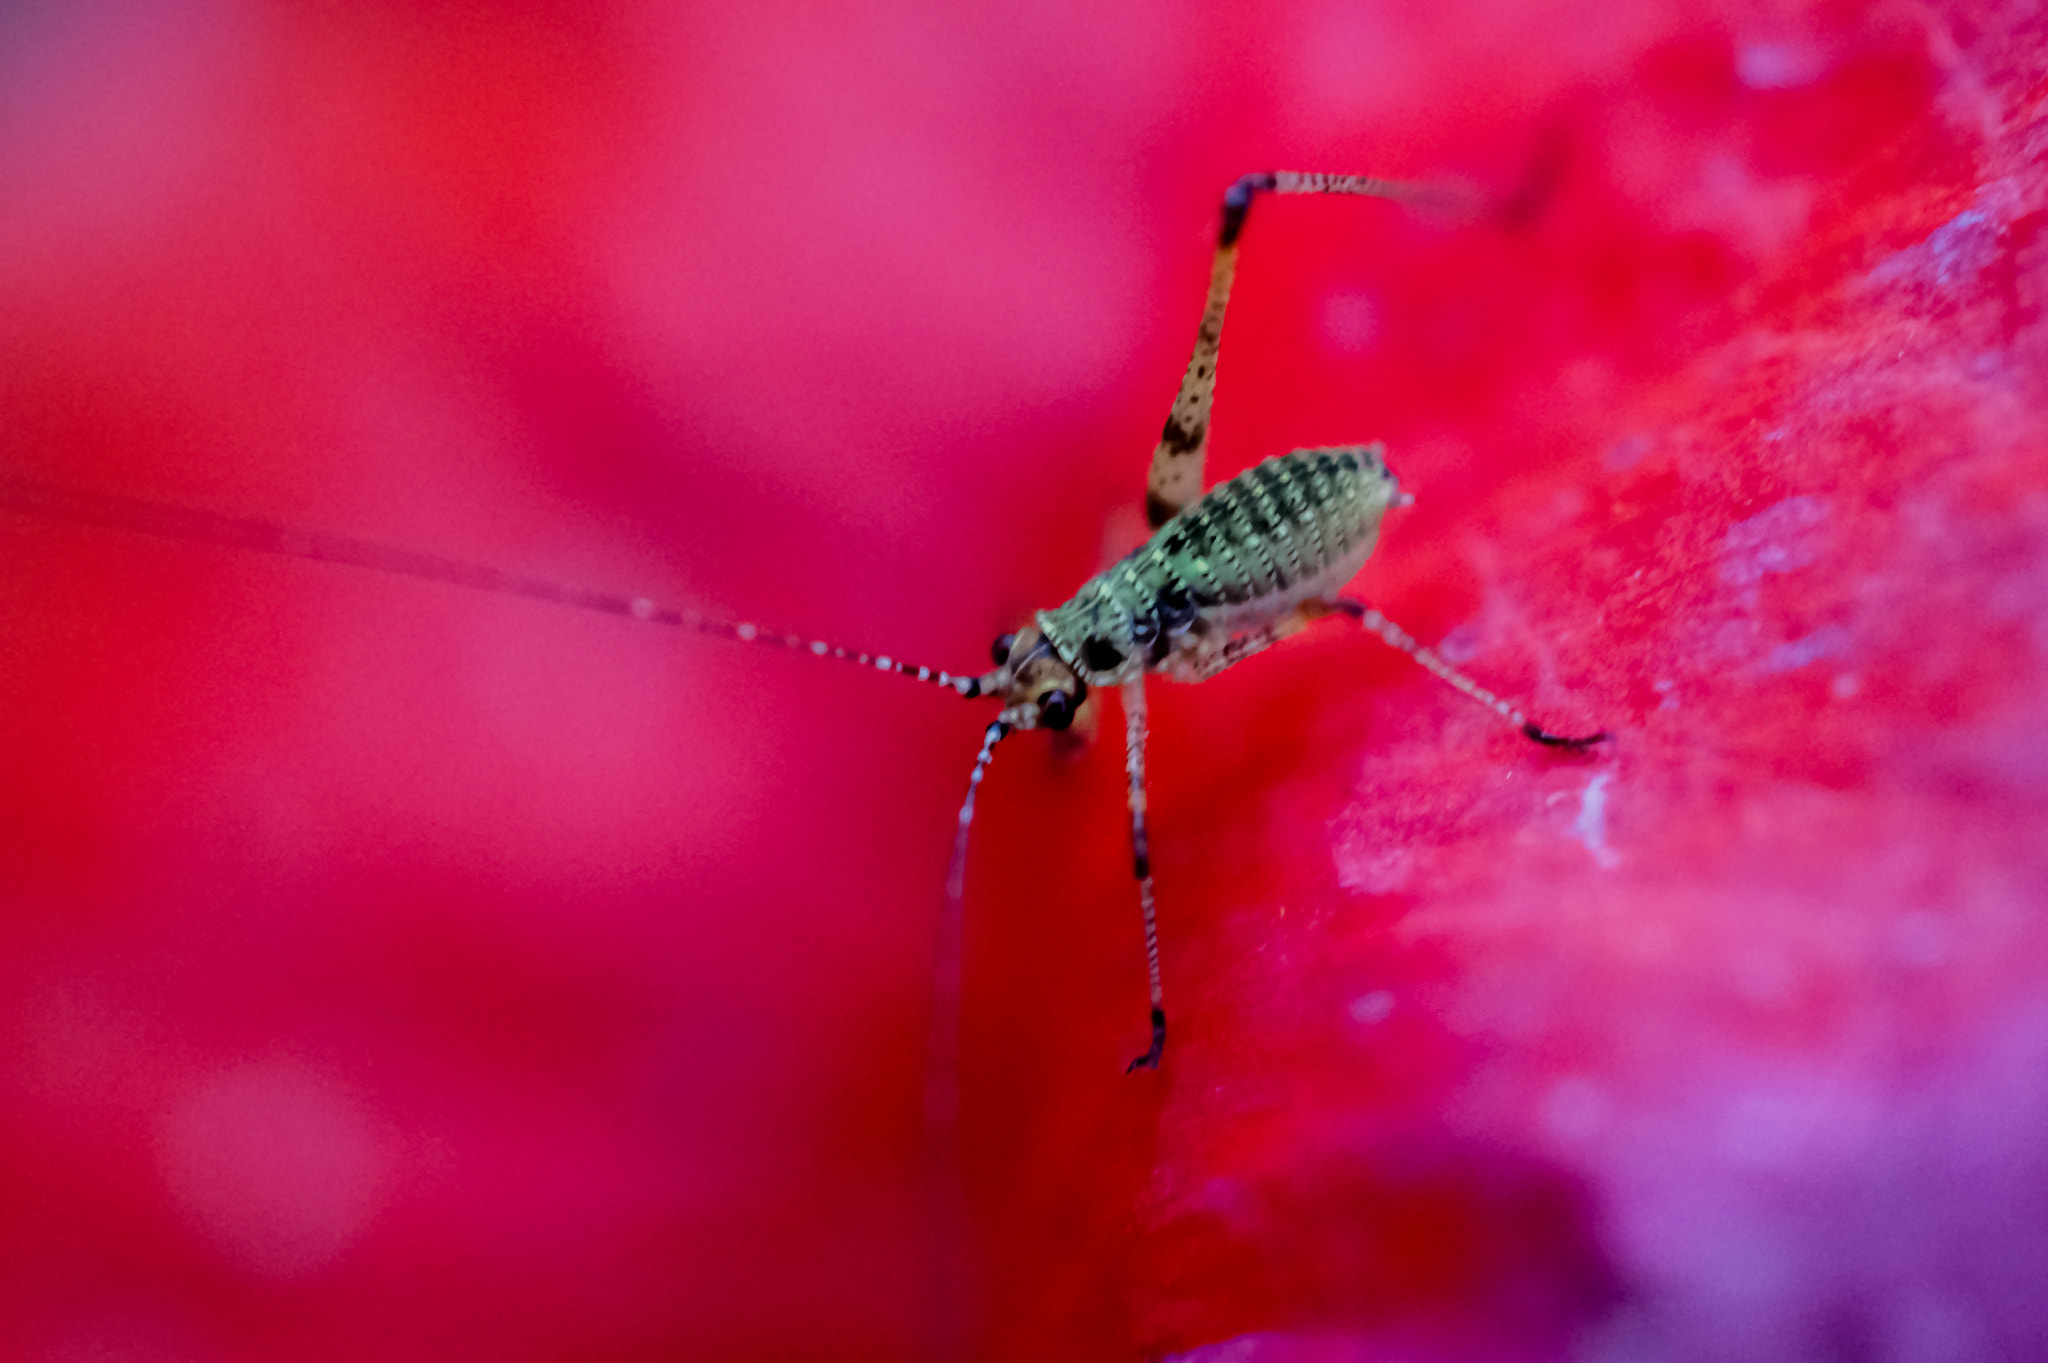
x=273 y=1169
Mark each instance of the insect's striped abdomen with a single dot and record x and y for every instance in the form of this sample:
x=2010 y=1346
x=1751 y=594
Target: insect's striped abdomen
x=1250 y=550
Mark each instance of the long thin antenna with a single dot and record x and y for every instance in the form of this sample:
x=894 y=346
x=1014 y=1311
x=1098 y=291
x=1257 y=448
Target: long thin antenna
x=264 y=537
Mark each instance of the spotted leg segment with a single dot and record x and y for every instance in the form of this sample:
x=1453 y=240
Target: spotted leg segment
x=1177 y=462
x=1400 y=638
x=1141 y=863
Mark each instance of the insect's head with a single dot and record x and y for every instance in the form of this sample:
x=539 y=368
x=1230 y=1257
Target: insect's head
x=1038 y=690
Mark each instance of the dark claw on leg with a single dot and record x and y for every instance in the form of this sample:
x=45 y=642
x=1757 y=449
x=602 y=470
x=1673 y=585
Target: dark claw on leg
x=1551 y=740
x=1150 y=1059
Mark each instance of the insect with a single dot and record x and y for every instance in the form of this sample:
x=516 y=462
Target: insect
x=1225 y=575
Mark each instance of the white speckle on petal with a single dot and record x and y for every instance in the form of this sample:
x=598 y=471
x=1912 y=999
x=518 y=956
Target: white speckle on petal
x=1778 y=539
x=1376 y=1006
x=1591 y=826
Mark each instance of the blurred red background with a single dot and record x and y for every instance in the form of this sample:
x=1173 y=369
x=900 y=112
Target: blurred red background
x=391 y=970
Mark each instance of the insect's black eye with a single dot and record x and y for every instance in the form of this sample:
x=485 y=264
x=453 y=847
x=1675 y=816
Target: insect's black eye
x=1055 y=709
x=999 y=651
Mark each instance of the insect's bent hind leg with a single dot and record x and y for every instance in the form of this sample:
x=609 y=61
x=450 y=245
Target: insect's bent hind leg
x=1141 y=862
x=1400 y=638
x=1176 y=477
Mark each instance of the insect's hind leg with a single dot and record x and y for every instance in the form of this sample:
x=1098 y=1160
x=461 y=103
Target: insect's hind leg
x=1400 y=638
x=1183 y=449
x=1141 y=863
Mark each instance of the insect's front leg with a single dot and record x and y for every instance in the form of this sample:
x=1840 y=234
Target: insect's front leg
x=1141 y=861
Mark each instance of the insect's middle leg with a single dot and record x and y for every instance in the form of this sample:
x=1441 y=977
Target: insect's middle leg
x=1141 y=862
x=1400 y=638
x=1183 y=449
